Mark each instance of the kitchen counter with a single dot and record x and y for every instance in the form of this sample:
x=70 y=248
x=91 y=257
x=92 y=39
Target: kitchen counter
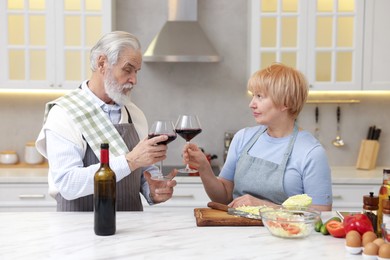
x=152 y=235
x=340 y=175
x=351 y=175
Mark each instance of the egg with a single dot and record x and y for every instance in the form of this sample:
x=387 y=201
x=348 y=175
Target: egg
x=368 y=237
x=353 y=239
x=379 y=241
x=384 y=251
x=371 y=249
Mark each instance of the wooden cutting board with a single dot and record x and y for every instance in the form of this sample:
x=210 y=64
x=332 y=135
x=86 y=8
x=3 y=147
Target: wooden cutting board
x=212 y=217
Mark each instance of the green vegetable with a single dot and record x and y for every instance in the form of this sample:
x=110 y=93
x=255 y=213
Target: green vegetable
x=317 y=226
x=323 y=228
x=300 y=200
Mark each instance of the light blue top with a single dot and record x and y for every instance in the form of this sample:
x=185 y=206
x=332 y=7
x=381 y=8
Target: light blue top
x=307 y=170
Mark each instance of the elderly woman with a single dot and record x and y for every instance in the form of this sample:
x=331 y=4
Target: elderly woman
x=270 y=162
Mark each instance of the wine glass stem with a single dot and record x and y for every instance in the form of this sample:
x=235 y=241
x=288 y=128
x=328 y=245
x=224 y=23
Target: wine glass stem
x=161 y=168
x=188 y=166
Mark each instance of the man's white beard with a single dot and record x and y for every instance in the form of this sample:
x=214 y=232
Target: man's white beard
x=116 y=91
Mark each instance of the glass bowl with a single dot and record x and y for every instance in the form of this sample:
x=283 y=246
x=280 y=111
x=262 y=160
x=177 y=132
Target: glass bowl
x=290 y=223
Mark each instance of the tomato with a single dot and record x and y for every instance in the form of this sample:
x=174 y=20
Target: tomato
x=290 y=228
x=293 y=230
x=359 y=222
x=335 y=228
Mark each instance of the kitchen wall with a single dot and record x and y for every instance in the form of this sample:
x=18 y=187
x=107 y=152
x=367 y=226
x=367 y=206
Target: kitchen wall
x=216 y=92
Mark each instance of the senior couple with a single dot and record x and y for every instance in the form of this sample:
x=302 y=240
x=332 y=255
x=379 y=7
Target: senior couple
x=265 y=165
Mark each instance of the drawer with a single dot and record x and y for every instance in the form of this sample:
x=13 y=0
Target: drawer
x=25 y=196
x=185 y=195
x=351 y=196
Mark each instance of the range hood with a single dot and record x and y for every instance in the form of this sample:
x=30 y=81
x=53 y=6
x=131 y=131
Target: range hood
x=181 y=39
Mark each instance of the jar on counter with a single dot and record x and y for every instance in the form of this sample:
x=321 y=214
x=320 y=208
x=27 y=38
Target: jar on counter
x=8 y=157
x=370 y=209
x=31 y=154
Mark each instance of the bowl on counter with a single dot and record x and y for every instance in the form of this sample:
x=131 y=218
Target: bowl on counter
x=290 y=223
x=8 y=157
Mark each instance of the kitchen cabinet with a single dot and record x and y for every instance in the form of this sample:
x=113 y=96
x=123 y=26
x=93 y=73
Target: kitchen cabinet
x=26 y=189
x=187 y=193
x=45 y=44
x=376 y=74
x=338 y=45
x=350 y=196
x=26 y=197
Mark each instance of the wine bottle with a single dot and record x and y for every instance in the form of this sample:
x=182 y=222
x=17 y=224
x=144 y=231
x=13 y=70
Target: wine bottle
x=104 y=196
x=384 y=193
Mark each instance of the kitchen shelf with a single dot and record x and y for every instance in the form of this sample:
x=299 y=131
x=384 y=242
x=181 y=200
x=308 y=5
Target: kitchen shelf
x=333 y=101
x=24 y=165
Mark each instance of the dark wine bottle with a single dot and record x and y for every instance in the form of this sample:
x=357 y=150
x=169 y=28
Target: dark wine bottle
x=104 y=196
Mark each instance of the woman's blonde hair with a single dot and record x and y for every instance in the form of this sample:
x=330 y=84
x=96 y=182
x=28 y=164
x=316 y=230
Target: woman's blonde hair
x=285 y=86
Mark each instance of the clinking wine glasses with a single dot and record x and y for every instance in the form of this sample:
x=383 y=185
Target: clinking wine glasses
x=162 y=127
x=188 y=126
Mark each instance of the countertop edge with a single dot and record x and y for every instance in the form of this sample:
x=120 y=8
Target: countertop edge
x=340 y=175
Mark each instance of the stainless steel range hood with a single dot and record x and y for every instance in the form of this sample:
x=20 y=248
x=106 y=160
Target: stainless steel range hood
x=181 y=39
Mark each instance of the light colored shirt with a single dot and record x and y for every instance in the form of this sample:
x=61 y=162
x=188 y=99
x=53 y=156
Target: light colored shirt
x=307 y=169
x=61 y=142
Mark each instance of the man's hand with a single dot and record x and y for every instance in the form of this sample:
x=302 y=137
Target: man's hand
x=147 y=152
x=161 y=191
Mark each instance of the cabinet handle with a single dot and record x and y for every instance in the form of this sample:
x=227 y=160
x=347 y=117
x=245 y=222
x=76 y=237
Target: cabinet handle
x=337 y=197
x=31 y=196
x=183 y=196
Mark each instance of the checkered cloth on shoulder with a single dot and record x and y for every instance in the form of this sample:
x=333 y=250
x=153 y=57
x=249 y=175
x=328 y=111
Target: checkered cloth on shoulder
x=91 y=120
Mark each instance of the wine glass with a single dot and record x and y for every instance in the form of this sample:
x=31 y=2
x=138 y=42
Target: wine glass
x=162 y=127
x=188 y=126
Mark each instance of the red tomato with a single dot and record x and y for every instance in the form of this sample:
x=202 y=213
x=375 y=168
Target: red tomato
x=335 y=228
x=359 y=222
x=293 y=230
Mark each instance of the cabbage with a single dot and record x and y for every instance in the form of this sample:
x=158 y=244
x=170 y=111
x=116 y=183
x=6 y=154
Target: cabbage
x=301 y=200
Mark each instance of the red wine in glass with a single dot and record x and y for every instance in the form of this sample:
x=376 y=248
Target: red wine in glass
x=170 y=138
x=188 y=134
x=188 y=126
x=162 y=127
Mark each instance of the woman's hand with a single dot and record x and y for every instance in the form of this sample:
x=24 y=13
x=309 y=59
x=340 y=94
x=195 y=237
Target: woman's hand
x=248 y=200
x=194 y=157
x=161 y=191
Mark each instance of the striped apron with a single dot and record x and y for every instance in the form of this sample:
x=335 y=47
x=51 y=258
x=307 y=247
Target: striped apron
x=261 y=178
x=127 y=190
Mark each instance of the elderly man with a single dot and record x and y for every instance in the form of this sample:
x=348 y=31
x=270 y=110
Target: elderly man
x=98 y=111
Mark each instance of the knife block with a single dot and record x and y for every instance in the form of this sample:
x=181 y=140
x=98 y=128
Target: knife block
x=368 y=154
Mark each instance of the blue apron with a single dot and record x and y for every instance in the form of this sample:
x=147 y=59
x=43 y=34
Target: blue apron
x=261 y=178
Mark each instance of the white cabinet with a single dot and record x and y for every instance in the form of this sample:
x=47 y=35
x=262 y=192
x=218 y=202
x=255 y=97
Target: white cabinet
x=350 y=196
x=45 y=44
x=191 y=195
x=376 y=46
x=335 y=44
x=26 y=197
x=338 y=45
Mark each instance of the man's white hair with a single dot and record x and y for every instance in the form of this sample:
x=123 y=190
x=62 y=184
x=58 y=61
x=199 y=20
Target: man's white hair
x=111 y=44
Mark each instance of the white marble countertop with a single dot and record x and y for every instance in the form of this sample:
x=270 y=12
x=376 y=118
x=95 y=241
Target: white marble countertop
x=152 y=235
x=340 y=175
x=351 y=175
